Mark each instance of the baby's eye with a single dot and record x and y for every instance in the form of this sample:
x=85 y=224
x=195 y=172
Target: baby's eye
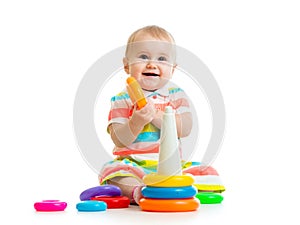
x=162 y=58
x=143 y=56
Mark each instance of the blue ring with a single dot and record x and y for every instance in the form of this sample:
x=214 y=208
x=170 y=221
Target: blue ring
x=169 y=192
x=91 y=206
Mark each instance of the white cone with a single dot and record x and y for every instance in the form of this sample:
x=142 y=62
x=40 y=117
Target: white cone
x=169 y=163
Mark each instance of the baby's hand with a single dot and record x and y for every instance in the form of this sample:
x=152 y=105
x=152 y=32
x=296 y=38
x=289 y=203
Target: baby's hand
x=157 y=120
x=143 y=116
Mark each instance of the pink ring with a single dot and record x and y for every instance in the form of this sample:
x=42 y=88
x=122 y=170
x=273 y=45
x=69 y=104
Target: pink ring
x=50 y=206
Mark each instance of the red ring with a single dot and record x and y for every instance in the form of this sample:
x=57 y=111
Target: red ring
x=113 y=202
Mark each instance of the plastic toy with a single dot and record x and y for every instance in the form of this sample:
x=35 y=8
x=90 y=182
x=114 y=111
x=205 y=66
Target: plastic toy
x=103 y=190
x=169 y=192
x=209 y=198
x=210 y=188
x=170 y=205
x=136 y=93
x=50 y=206
x=114 y=202
x=155 y=180
x=169 y=161
x=169 y=172
x=208 y=179
x=91 y=206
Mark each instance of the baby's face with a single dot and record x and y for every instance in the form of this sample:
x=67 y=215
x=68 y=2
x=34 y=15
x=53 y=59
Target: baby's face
x=150 y=61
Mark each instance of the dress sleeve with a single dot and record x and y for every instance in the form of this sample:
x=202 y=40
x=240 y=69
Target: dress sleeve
x=179 y=100
x=121 y=109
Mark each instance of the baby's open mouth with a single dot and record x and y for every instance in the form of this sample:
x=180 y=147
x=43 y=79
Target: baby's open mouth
x=151 y=74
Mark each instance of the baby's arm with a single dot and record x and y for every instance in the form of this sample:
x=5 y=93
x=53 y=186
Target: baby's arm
x=124 y=134
x=184 y=122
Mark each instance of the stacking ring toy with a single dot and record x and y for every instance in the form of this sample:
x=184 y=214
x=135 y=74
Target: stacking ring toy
x=104 y=190
x=50 y=206
x=91 y=206
x=169 y=192
x=170 y=205
x=209 y=197
x=156 y=180
x=114 y=202
x=210 y=187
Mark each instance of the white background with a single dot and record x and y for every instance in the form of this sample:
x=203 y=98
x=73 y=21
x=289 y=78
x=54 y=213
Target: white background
x=251 y=47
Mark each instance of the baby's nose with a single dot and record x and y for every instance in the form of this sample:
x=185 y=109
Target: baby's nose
x=151 y=65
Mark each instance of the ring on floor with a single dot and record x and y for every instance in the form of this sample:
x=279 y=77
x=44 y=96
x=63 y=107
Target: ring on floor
x=50 y=206
x=91 y=206
x=210 y=187
x=114 y=202
x=209 y=197
x=103 y=190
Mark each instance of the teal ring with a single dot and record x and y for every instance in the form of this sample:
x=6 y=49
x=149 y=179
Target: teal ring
x=91 y=206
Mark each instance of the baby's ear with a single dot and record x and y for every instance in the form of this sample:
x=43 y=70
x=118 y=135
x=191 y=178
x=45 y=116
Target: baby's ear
x=174 y=67
x=126 y=65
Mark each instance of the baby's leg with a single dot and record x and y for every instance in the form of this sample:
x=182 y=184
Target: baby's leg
x=206 y=178
x=129 y=186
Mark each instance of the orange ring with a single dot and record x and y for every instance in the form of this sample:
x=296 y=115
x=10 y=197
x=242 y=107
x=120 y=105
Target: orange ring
x=156 y=180
x=170 y=205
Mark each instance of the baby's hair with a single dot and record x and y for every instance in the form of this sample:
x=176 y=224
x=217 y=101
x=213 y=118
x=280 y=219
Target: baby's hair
x=154 y=31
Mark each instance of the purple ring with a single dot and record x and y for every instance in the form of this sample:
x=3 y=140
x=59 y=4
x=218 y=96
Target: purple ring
x=103 y=190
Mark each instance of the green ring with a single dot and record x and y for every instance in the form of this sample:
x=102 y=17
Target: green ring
x=209 y=198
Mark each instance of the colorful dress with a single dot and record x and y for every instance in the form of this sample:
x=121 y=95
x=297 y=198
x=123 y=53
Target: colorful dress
x=141 y=157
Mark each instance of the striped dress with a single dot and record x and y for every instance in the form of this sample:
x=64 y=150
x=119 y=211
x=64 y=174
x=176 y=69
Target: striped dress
x=141 y=157
x=148 y=140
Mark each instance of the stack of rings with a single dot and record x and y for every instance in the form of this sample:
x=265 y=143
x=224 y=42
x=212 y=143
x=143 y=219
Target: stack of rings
x=169 y=194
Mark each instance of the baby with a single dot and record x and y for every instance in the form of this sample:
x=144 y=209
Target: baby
x=150 y=58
